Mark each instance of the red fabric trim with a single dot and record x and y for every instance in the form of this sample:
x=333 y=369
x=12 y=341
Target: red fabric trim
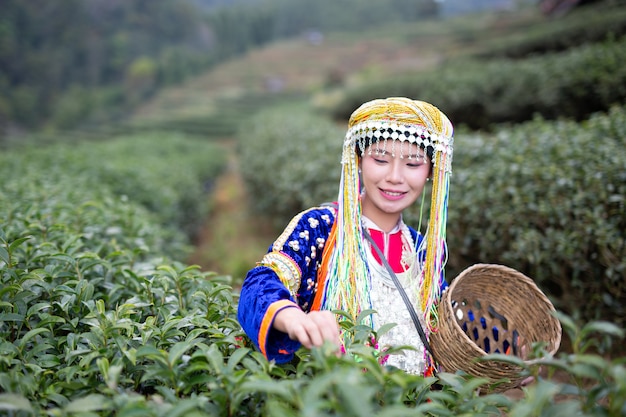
x=394 y=251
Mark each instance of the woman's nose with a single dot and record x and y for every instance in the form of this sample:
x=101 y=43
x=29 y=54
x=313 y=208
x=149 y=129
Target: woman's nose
x=395 y=175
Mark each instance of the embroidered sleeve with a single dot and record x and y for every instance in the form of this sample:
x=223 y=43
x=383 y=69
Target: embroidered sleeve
x=287 y=270
x=296 y=254
x=285 y=277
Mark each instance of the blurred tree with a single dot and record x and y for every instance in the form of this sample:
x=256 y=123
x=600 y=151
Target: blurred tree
x=561 y=7
x=140 y=78
x=50 y=47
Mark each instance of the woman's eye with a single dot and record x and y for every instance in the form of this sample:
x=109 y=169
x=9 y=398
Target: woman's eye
x=380 y=161
x=414 y=164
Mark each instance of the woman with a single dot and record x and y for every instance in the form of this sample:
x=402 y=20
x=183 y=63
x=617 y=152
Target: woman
x=326 y=258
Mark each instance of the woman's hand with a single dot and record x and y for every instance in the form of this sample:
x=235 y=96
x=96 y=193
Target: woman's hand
x=312 y=329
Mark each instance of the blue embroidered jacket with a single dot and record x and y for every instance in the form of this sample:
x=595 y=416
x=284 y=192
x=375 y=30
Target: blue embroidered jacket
x=287 y=277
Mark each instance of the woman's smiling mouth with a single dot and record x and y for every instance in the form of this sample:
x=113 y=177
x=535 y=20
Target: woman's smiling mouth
x=392 y=194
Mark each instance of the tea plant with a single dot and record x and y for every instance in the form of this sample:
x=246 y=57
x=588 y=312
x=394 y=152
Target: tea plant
x=65 y=345
x=574 y=83
x=591 y=383
x=584 y=26
x=167 y=174
x=305 y=146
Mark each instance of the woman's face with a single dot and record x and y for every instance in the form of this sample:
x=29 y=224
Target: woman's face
x=391 y=183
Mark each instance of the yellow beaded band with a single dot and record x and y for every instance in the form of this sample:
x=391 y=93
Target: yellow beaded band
x=286 y=269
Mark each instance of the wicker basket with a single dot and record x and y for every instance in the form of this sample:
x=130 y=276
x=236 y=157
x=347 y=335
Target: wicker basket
x=492 y=309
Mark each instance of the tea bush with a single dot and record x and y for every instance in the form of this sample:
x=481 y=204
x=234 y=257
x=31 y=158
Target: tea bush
x=89 y=292
x=547 y=199
x=95 y=326
x=217 y=122
x=586 y=25
x=168 y=174
x=97 y=319
x=480 y=93
x=290 y=163
x=162 y=340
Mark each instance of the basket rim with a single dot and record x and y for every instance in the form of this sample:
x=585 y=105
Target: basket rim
x=474 y=347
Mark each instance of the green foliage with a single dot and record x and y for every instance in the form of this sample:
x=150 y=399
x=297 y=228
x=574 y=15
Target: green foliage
x=161 y=339
x=547 y=199
x=48 y=48
x=290 y=160
x=84 y=330
x=239 y=28
x=590 y=384
x=166 y=174
x=51 y=50
x=224 y=118
x=356 y=384
x=73 y=106
x=169 y=174
x=140 y=78
x=478 y=94
x=583 y=26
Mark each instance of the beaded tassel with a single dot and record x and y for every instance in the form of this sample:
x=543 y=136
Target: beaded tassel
x=436 y=256
x=348 y=282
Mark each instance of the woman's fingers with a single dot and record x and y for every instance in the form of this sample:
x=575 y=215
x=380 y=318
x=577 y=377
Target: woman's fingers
x=305 y=331
x=326 y=324
x=311 y=329
x=315 y=328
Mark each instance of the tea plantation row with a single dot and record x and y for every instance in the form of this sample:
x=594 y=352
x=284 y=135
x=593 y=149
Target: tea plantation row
x=479 y=93
x=585 y=25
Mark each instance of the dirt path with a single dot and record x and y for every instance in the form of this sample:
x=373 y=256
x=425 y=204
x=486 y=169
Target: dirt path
x=233 y=238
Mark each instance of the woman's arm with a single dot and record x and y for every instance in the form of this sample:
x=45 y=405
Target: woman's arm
x=276 y=293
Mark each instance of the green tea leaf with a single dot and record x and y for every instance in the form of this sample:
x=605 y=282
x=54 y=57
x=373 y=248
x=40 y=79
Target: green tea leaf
x=30 y=334
x=14 y=402
x=11 y=317
x=92 y=402
x=177 y=351
x=602 y=327
x=236 y=357
x=4 y=255
x=17 y=242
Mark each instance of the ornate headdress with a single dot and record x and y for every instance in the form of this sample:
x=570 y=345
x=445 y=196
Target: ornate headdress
x=398 y=120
